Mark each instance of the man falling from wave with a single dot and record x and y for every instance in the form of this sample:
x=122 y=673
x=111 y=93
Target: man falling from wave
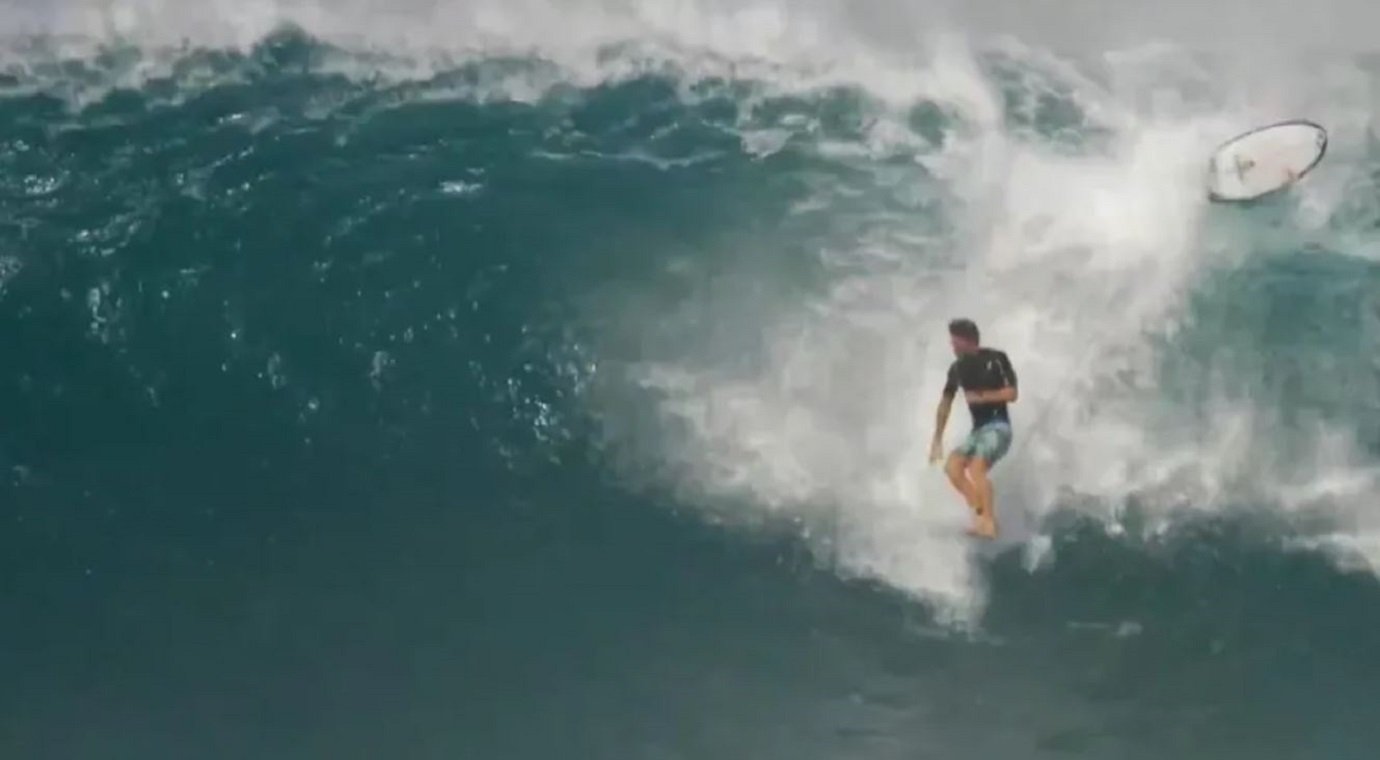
x=989 y=384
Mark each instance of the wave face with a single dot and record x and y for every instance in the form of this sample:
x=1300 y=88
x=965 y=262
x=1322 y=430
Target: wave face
x=519 y=381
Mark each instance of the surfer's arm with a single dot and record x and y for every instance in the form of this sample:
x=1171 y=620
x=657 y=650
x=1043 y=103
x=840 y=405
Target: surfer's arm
x=941 y=416
x=1004 y=395
x=1007 y=394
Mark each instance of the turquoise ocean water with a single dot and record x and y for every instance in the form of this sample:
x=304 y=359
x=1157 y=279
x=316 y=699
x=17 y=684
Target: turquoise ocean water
x=531 y=400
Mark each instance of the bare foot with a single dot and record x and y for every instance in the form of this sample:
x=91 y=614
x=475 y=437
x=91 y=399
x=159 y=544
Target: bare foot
x=983 y=527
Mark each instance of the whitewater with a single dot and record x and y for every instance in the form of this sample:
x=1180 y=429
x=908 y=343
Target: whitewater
x=398 y=378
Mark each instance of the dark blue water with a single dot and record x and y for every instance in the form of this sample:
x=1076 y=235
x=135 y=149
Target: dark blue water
x=317 y=441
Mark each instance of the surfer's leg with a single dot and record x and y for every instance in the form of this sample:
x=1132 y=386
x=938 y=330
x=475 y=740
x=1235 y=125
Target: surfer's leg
x=955 y=469
x=986 y=523
x=990 y=445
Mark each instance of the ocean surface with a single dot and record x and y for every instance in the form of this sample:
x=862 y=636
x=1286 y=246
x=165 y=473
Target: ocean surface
x=508 y=381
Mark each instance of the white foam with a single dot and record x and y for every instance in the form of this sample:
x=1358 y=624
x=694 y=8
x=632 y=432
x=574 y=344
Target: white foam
x=1069 y=259
x=1072 y=263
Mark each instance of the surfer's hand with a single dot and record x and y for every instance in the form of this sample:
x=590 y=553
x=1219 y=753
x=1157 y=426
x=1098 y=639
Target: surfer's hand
x=936 y=453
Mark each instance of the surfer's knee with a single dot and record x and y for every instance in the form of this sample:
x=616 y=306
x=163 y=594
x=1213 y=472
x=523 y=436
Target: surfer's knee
x=954 y=467
x=977 y=468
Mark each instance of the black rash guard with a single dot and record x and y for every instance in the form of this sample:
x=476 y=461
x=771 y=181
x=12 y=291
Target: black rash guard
x=986 y=369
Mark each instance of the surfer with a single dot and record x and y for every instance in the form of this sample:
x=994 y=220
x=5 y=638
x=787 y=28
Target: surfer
x=989 y=384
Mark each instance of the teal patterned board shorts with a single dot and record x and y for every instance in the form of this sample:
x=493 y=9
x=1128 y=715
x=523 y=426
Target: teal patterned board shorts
x=990 y=442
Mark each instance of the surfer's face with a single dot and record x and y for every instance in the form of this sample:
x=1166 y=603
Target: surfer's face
x=962 y=345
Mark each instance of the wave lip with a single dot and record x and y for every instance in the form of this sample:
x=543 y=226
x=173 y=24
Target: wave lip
x=788 y=369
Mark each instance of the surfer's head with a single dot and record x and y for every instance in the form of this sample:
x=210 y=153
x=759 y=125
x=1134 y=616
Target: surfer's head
x=963 y=336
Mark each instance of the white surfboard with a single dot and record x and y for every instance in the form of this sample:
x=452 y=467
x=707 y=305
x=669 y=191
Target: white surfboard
x=1265 y=160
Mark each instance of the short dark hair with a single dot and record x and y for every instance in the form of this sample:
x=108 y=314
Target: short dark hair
x=964 y=328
